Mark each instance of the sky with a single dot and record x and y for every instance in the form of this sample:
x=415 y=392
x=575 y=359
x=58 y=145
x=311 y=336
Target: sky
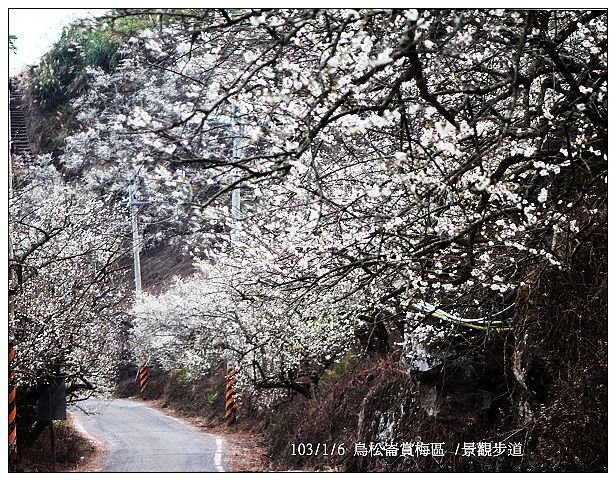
x=37 y=30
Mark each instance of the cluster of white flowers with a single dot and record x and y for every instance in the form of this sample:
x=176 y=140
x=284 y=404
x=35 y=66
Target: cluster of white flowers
x=359 y=192
x=65 y=318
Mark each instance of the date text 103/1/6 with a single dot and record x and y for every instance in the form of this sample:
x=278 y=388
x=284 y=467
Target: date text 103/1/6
x=316 y=449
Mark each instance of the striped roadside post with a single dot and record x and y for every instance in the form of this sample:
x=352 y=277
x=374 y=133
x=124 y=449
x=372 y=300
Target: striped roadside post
x=231 y=401
x=12 y=406
x=143 y=377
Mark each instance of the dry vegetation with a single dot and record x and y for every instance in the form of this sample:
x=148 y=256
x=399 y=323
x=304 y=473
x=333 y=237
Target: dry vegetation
x=74 y=452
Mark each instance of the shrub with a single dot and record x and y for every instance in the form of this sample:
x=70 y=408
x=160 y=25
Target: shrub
x=81 y=45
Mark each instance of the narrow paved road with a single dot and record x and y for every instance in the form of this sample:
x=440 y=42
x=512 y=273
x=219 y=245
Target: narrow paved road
x=138 y=438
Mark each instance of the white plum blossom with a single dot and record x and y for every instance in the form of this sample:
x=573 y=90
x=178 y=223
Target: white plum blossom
x=366 y=184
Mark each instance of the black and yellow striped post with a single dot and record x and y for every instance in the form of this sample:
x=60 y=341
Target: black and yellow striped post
x=143 y=377
x=12 y=406
x=231 y=400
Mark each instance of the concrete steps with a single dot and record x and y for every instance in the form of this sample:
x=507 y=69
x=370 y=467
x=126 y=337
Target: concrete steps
x=20 y=144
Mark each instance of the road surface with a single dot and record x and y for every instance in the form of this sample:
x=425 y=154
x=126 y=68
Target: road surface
x=138 y=438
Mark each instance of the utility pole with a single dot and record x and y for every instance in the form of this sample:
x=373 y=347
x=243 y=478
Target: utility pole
x=235 y=202
x=235 y=193
x=136 y=242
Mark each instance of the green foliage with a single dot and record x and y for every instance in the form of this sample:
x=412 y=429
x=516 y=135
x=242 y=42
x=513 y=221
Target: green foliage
x=12 y=46
x=100 y=49
x=181 y=377
x=77 y=49
x=61 y=73
x=211 y=397
x=133 y=25
x=341 y=367
x=46 y=86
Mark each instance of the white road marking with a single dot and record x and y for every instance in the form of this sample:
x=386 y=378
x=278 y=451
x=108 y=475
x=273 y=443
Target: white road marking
x=74 y=420
x=177 y=419
x=218 y=455
x=77 y=424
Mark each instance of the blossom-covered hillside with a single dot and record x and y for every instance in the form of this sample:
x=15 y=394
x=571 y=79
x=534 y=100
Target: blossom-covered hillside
x=421 y=191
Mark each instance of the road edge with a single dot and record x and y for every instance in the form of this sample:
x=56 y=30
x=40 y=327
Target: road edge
x=95 y=463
